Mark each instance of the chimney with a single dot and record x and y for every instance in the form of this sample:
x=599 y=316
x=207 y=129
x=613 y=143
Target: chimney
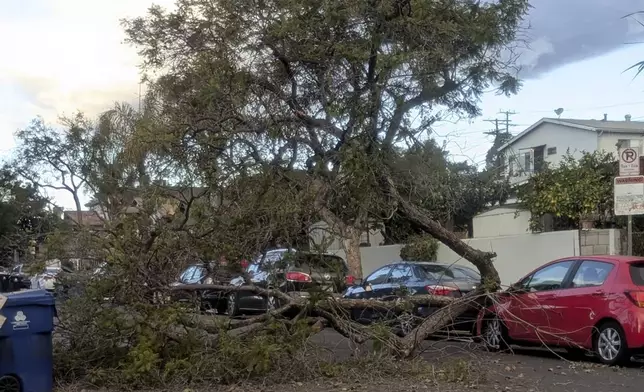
x=627 y=117
x=605 y=117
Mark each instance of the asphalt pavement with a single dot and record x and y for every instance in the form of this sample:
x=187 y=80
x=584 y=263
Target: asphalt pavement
x=529 y=370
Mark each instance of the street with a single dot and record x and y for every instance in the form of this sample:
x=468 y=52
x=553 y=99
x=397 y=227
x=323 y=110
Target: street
x=536 y=370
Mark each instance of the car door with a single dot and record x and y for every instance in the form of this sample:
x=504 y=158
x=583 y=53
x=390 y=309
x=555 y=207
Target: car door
x=373 y=286
x=535 y=311
x=583 y=302
x=398 y=279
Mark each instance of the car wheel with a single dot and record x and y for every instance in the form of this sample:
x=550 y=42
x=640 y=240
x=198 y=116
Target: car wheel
x=610 y=344
x=232 y=307
x=494 y=334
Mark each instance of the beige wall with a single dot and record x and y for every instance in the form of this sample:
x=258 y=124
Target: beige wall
x=516 y=255
x=501 y=221
x=320 y=233
x=608 y=141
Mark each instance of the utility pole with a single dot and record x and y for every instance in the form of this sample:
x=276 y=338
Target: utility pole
x=500 y=137
x=507 y=122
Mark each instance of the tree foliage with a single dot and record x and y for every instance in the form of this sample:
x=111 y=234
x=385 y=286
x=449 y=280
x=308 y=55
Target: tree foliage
x=420 y=248
x=326 y=87
x=576 y=189
x=282 y=111
x=452 y=192
x=25 y=219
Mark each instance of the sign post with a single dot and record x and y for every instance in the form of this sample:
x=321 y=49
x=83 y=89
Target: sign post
x=629 y=162
x=629 y=169
x=629 y=200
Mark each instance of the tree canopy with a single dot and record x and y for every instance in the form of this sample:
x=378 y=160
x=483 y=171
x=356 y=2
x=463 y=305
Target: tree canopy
x=575 y=190
x=25 y=219
x=329 y=87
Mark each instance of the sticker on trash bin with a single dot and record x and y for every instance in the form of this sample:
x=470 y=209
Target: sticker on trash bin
x=20 y=321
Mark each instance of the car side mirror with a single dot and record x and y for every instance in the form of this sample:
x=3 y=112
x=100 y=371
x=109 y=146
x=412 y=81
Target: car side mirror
x=517 y=289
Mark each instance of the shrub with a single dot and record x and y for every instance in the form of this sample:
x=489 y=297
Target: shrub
x=420 y=248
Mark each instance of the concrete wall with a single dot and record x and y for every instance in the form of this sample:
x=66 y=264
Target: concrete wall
x=516 y=255
x=501 y=221
x=322 y=235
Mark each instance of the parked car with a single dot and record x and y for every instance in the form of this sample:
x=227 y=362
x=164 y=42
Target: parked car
x=294 y=272
x=202 y=273
x=18 y=279
x=586 y=304
x=415 y=278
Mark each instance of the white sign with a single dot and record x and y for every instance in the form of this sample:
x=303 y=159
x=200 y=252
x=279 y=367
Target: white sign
x=20 y=321
x=629 y=161
x=629 y=195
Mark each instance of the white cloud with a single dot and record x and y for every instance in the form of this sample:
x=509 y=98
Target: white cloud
x=65 y=55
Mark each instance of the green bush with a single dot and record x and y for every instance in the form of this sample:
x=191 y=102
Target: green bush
x=420 y=248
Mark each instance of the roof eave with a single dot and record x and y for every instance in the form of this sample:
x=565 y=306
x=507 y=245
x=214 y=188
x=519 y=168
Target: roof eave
x=538 y=123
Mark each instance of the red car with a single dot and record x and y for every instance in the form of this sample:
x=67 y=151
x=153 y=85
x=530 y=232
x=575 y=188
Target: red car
x=585 y=304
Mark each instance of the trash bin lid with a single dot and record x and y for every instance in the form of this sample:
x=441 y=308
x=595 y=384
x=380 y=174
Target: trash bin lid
x=28 y=297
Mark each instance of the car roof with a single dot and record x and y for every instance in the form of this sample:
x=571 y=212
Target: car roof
x=425 y=263
x=613 y=258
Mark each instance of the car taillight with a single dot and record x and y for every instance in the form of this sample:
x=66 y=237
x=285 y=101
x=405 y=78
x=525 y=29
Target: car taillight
x=244 y=264
x=297 y=277
x=637 y=297
x=350 y=279
x=440 y=290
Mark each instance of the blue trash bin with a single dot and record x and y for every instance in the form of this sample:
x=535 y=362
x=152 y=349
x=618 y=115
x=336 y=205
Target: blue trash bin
x=26 y=358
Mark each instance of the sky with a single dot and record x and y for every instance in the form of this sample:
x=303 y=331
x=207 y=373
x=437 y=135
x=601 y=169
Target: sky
x=61 y=56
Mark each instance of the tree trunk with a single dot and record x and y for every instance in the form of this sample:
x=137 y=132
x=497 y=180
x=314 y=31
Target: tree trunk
x=79 y=216
x=351 y=246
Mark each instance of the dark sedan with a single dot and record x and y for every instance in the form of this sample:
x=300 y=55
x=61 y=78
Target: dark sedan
x=205 y=273
x=415 y=278
x=294 y=272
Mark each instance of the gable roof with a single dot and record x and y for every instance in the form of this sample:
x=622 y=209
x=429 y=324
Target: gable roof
x=635 y=127
x=89 y=218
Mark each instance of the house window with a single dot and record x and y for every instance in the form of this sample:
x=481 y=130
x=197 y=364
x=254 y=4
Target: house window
x=552 y=150
x=623 y=143
x=364 y=239
x=526 y=160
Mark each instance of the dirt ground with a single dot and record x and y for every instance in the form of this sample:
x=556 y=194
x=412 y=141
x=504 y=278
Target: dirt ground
x=459 y=367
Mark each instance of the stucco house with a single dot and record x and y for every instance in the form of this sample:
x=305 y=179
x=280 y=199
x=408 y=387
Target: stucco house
x=548 y=140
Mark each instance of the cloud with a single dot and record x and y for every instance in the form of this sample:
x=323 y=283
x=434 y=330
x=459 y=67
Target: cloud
x=68 y=55
x=561 y=32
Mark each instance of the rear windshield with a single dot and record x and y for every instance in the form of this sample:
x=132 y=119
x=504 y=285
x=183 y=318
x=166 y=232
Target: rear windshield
x=637 y=273
x=442 y=271
x=325 y=263
x=468 y=272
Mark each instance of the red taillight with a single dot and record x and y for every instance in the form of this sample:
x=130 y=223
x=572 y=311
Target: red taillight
x=440 y=290
x=350 y=279
x=244 y=264
x=297 y=277
x=637 y=297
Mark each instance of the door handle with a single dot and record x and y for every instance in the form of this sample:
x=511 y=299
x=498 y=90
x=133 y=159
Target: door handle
x=598 y=293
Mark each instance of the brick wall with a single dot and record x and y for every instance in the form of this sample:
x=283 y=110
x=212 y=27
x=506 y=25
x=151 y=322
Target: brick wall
x=601 y=242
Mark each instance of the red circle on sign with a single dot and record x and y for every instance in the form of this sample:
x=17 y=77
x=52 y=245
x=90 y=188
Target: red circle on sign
x=629 y=155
